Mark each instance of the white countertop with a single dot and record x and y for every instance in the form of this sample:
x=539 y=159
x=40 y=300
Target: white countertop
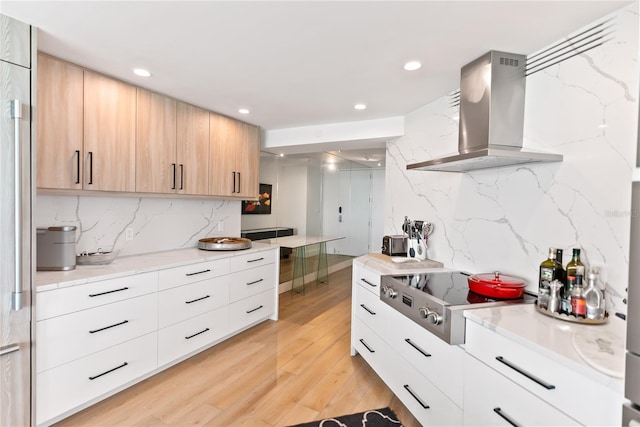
x=134 y=264
x=389 y=268
x=596 y=351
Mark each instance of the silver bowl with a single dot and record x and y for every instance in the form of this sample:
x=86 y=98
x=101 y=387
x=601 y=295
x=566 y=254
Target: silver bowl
x=96 y=258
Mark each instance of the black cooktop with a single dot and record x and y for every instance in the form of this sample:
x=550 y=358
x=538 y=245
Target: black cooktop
x=448 y=286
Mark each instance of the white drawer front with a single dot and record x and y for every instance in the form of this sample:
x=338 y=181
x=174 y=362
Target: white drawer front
x=65 y=338
x=490 y=399
x=438 y=361
x=183 y=302
x=70 y=385
x=75 y=298
x=254 y=259
x=373 y=312
x=251 y=310
x=185 y=337
x=366 y=278
x=372 y=349
x=251 y=282
x=544 y=377
x=179 y=276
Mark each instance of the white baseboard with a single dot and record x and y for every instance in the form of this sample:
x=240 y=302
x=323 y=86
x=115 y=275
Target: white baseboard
x=286 y=286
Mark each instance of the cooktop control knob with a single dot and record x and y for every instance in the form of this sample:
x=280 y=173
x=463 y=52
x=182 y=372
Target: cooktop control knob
x=388 y=291
x=434 y=318
x=424 y=311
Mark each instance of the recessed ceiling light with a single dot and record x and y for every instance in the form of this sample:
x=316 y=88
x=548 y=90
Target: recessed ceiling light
x=379 y=164
x=141 y=72
x=412 y=65
x=360 y=106
x=281 y=154
x=243 y=111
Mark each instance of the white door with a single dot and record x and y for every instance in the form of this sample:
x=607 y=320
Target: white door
x=359 y=212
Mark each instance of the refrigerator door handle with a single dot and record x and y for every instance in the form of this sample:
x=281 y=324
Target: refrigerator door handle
x=9 y=349
x=16 y=115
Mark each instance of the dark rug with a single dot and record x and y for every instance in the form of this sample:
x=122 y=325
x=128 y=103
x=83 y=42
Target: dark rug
x=383 y=417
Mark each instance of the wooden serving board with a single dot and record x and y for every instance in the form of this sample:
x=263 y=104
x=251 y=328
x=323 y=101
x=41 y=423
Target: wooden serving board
x=386 y=259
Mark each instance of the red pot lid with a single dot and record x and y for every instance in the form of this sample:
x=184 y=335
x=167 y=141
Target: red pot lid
x=498 y=279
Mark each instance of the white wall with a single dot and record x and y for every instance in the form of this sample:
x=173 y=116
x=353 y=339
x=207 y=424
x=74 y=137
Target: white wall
x=158 y=224
x=506 y=219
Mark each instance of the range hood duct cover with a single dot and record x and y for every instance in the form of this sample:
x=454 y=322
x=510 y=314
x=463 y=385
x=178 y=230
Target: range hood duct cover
x=492 y=90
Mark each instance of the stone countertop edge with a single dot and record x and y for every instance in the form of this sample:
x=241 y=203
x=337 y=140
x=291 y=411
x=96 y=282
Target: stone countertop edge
x=551 y=337
x=384 y=269
x=135 y=264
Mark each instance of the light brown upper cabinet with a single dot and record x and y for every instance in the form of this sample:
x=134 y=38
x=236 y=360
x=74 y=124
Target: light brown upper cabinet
x=59 y=148
x=109 y=134
x=156 y=167
x=234 y=157
x=192 y=151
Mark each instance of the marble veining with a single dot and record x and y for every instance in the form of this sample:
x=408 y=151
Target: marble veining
x=584 y=108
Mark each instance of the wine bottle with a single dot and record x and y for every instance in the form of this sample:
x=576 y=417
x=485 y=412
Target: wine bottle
x=546 y=276
x=575 y=267
x=560 y=273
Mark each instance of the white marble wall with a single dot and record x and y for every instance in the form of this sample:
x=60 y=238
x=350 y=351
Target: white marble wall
x=505 y=219
x=158 y=224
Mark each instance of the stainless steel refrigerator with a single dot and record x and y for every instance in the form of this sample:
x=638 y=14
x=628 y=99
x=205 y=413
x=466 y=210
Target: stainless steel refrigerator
x=17 y=77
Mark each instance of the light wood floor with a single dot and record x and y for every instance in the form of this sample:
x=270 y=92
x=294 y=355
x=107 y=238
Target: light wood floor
x=286 y=264
x=295 y=370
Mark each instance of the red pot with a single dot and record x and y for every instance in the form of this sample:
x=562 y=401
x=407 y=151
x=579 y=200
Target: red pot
x=496 y=285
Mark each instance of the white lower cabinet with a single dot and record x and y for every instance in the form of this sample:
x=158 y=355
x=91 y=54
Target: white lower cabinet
x=251 y=310
x=190 y=335
x=70 y=385
x=491 y=399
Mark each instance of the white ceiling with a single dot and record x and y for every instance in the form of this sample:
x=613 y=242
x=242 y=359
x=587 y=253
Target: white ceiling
x=298 y=63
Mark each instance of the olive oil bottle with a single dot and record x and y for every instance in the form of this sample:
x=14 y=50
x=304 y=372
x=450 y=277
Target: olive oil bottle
x=547 y=275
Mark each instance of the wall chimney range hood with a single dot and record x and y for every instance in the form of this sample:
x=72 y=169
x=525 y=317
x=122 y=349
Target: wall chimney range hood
x=492 y=92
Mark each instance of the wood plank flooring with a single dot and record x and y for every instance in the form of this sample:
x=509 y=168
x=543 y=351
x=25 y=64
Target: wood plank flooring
x=295 y=370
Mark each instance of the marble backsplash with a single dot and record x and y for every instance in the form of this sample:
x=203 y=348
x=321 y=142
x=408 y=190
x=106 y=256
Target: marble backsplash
x=585 y=108
x=158 y=224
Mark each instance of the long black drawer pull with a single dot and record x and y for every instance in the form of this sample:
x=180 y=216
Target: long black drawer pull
x=255 y=309
x=525 y=373
x=254 y=282
x=108 y=292
x=108 y=327
x=367 y=347
x=198 y=299
x=197 y=333
x=368 y=282
x=198 y=272
x=414 y=345
x=373 y=313
x=109 y=371
x=505 y=417
x=415 y=396
x=255 y=260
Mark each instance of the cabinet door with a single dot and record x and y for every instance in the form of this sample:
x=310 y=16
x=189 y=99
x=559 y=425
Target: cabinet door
x=192 y=155
x=15 y=41
x=156 y=166
x=60 y=88
x=224 y=134
x=109 y=134
x=248 y=160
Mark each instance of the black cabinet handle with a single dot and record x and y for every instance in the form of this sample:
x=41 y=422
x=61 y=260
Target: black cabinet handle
x=234 y=182
x=78 y=166
x=525 y=373
x=255 y=309
x=109 y=327
x=367 y=282
x=90 y=167
x=239 y=183
x=108 y=292
x=255 y=260
x=181 y=176
x=414 y=345
x=109 y=371
x=367 y=347
x=198 y=272
x=505 y=417
x=173 y=165
x=197 y=333
x=254 y=282
x=197 y=299
x=415 y=396
x=373 y=313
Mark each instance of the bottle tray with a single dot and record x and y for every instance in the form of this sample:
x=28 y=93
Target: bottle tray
x=572 y=318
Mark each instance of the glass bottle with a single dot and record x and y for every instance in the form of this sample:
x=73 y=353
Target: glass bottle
x=546 y=276
x=578 y=302
x=594 y=298
x=575 y=266
x=565 y=302
x=560 y=273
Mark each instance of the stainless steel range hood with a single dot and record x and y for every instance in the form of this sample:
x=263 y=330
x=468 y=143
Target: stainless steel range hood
x=492 y=92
